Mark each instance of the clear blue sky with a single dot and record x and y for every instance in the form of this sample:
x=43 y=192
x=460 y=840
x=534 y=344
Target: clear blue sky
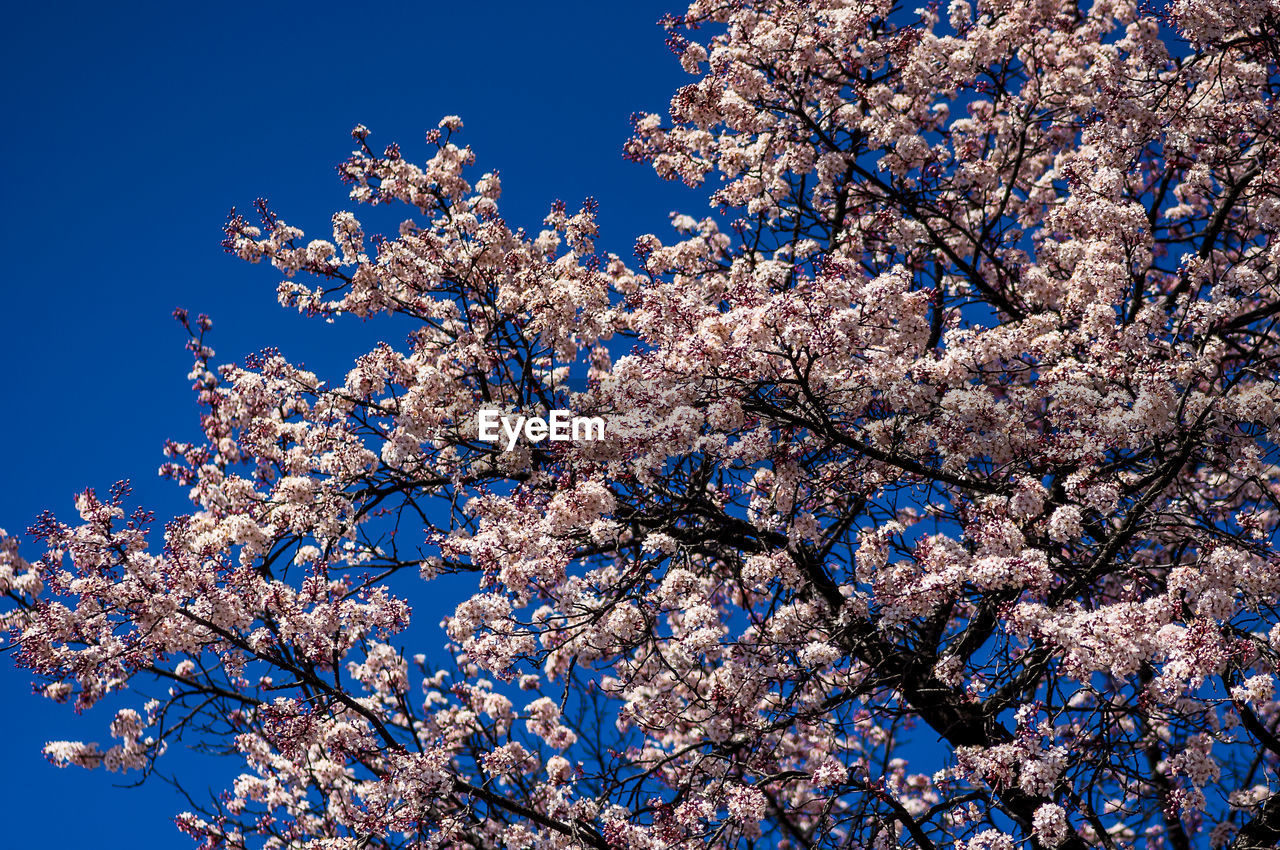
x=132 y=129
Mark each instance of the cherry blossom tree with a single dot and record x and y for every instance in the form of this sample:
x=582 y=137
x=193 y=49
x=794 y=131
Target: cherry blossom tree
x=937 y=506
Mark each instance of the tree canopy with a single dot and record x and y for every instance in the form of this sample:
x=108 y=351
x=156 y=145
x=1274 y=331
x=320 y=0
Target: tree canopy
x=937 y=505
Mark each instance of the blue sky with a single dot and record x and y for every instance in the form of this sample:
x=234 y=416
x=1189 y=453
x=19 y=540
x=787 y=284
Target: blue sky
x=133 y=129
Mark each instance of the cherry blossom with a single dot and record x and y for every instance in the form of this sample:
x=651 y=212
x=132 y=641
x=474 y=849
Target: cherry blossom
x=937 y=506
